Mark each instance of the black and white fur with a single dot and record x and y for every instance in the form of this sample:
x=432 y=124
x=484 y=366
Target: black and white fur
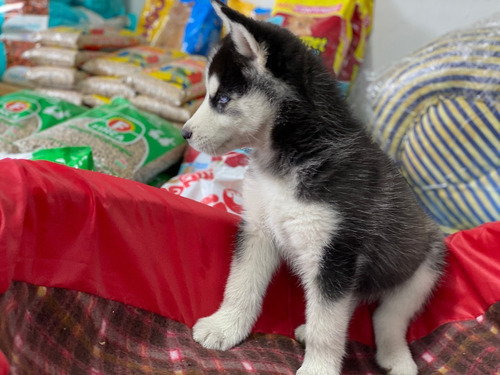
x=318 y=193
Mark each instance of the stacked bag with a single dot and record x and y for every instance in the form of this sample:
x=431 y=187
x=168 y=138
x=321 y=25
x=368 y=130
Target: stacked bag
x=168 y=83
x=124 y=141
x=92 y=66
x=63 y=51
x=21 y=21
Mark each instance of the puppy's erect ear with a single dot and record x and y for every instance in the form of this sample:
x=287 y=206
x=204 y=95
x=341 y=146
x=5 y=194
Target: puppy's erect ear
x=237 y=26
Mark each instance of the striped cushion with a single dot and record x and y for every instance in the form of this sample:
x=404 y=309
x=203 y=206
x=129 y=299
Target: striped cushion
x=437 y=115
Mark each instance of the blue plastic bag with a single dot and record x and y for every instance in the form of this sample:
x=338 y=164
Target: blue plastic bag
x=62 y=14
x=105 y=8
x=203 y=28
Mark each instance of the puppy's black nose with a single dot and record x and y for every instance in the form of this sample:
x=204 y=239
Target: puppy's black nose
x=186 y=133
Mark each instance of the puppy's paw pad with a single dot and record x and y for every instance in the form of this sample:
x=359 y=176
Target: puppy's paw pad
x=216 y=333
x=300 y=334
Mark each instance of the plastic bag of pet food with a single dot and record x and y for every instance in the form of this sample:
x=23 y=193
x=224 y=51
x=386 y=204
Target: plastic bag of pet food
x=190 y=26
x=16 y=75
x=61 y=36
x=104 y=38
x=175 y=82
x=26 y=112
x=55 y=77
x=129 y=61
x=76 y=157
x=213 y=180
x=250 y=10
x=94 y=100
x=152 y=14
x=106 y=86
x=23 y=17
x=165 y=110
x=71 y=96
x=108 y=39
x=336 y=30
x=57 y=56
x=125 y=141
x=11 y=54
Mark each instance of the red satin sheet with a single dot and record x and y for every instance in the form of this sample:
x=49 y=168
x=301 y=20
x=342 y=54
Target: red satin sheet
x=122 y=240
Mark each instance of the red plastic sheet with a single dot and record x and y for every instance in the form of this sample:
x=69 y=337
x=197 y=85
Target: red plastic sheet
x=122 y=240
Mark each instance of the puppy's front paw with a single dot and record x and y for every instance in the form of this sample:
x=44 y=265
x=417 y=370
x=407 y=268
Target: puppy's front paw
x=219 y=331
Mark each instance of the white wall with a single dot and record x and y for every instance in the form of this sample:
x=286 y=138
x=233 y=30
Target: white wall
x=402 y=26
x=134 y=6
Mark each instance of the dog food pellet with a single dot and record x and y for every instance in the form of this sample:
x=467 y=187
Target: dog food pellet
x=125 y=142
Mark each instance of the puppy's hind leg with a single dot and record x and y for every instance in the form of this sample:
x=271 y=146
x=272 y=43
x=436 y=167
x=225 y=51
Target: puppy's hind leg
x=325 y=333
x=300 y=334
x=392 y=317
x=252 y=267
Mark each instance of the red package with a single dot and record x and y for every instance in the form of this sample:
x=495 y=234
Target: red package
x=336 y=30
x=212 y=180
x=13 y=51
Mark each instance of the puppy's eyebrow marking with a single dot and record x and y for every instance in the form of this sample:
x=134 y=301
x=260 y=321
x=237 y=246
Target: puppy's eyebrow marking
x=213 y=85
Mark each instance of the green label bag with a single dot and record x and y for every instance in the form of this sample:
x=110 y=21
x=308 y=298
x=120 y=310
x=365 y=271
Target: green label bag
x=76 y=157
x=125 y=142
x=26 y=112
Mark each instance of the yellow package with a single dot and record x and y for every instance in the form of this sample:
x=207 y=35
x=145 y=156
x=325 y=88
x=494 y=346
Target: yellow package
x=242 y=6
x=336 y=30
x=128 y=61
x=153 y=12
x=175 y=82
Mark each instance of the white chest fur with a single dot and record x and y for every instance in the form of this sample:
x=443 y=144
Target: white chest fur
x=300 y=229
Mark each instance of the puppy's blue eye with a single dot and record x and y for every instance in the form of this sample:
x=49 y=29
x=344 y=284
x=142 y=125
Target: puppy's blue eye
x=223 y=100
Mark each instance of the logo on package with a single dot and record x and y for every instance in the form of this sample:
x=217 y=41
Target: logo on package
x=118 y=129
x=16 y=110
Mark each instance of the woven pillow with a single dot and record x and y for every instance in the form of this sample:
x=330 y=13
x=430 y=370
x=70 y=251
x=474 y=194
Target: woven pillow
x=437 y=115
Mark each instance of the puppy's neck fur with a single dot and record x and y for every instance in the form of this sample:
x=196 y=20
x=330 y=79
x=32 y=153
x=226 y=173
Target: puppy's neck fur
x=312 y=124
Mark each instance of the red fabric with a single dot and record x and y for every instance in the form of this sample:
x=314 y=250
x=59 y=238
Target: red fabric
x=122 y=240
x=4 y=365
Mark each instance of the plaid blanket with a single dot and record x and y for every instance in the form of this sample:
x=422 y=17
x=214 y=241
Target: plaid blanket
x=56 y=331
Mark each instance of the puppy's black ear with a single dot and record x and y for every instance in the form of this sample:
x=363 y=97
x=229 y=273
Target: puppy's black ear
x=237 y=26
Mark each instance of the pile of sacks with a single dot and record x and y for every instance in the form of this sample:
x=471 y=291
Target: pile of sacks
x=168 y=83
x=63 y=51
x=93 y=67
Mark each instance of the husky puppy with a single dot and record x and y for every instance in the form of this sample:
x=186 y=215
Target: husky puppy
x=318 y=194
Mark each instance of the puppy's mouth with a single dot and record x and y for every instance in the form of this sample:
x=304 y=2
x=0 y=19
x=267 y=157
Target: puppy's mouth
x=210 y=146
